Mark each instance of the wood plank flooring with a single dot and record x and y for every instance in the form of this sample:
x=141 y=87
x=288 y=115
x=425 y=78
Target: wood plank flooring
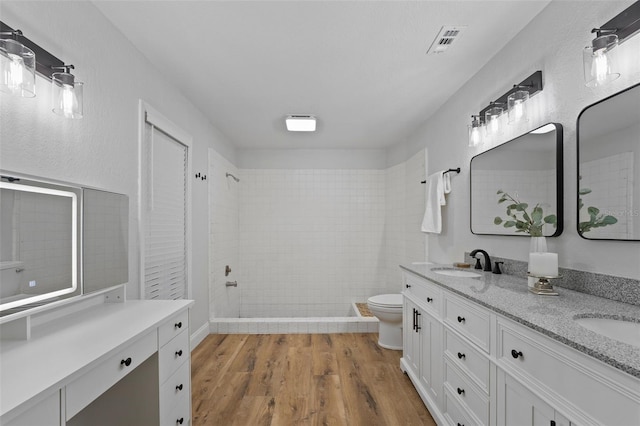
x=301 y=379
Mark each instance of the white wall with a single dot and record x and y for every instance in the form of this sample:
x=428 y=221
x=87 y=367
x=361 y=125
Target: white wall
x=101 y=150
x=553 y=43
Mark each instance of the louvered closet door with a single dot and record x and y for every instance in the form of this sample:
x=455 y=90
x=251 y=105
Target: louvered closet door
x=165 y=230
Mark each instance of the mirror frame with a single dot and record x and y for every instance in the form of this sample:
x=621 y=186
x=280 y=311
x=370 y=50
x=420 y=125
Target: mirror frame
x=637 y=85
x=559 y=183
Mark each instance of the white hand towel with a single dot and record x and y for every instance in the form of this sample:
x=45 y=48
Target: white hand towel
x=438 y=184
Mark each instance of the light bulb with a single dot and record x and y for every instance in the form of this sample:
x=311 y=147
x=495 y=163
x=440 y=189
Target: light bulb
x=15 y=78
x=69 y=101
x=600 y=66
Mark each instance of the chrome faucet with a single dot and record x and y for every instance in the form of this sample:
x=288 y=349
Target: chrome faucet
x=487 y=259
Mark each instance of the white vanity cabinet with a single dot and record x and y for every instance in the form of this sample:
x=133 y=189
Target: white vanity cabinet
x=109 y=363
x=422 y=337
x=496 y=371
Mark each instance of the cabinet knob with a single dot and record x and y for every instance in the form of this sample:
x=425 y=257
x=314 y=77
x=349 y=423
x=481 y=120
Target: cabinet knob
x=460 y=424
x=179 y=353
x=461 y=355
x=407 y=286
x=126 y=362
x=461 y=319
x=178 y=324
x=516 y=354
x=460 y=391
x=179 y=387
x=180 y=420
x=429 y=299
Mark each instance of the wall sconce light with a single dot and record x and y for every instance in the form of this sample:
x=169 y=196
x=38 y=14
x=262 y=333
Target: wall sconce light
x=492 y=125
x=516 y=102
x=475 y=136
x=20 y=59
x=598 y=57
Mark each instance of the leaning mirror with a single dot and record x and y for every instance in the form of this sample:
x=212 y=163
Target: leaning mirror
x=516 y=187
x=609 y=168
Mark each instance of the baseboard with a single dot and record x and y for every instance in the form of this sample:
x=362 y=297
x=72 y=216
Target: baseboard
x=199 y=335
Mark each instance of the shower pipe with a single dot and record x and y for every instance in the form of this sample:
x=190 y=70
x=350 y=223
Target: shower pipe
x=234 y=178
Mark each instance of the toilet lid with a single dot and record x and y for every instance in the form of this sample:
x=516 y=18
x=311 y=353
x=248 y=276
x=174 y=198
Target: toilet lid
x=386 y=300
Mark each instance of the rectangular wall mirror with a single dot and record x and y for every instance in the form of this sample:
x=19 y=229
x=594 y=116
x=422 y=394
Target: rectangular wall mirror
x=58 y=241
x=609 y=168
x=524 y=172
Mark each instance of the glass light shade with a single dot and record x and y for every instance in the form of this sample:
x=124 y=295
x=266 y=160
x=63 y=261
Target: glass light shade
x=598 y=61
x=17 y=69
x=475 y=135
x=66 y=95
x=492 y=125
x=517 y=106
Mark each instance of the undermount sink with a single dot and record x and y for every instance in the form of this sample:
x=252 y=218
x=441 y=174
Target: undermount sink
x=617 y=329
x=455 y=273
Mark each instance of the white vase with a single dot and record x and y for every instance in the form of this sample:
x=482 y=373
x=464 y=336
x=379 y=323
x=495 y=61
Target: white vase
x=536 y=245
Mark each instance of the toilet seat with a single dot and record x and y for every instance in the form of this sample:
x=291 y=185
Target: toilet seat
x=386 y=300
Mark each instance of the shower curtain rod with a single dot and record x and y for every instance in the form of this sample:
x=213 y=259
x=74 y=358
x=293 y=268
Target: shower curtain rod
x=234 y=178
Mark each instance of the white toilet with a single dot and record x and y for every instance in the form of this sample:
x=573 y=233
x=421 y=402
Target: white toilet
x=388 y=309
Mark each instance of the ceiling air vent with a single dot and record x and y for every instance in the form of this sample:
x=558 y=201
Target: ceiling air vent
x=445 y=39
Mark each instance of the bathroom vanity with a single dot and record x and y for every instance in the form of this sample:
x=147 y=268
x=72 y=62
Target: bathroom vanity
x=484 y=351
x=99 y=361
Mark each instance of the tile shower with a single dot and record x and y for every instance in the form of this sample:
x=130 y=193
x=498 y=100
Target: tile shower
x=308 y=243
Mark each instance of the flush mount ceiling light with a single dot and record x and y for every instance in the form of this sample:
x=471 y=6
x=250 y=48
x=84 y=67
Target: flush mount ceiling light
x=20 y=59
x=301 y=123
x=598 y=57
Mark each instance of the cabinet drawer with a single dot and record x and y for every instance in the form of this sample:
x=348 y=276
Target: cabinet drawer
x=88 y=387
x=173 y=355
x=468 y=320
x=179 y=414
x=429 y=294
x=469 y=359
x=456 y=415
x=599 y=393
x=173 y=327
x=174 y=389
x=44 y=413
x=473 y=399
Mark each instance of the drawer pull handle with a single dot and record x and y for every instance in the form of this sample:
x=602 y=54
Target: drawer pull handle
x=460 y=391
x=126 y=362
x=461 y=355
x=461 y=319
x=516 y=354
x=407 y=285
x=178 y=325
x=179 y=387
x=418 y=320
x=429 y=299
x=180 y=420
x=179 y=353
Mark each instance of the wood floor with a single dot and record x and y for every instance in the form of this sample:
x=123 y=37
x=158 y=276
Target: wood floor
x=301 y=379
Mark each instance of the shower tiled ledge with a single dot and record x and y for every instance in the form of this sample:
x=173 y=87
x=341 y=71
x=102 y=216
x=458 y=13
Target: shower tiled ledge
x=610 y=287
x=321 y=325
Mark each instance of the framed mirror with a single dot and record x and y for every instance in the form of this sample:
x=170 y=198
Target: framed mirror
x=516 y=187
x=608 y=135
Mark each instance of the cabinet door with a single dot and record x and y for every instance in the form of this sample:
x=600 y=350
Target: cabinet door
x=519 y=406
x=431 y=360
x=411 y=337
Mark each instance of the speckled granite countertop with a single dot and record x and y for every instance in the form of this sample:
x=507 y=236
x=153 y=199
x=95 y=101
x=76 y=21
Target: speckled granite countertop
x=550 y=315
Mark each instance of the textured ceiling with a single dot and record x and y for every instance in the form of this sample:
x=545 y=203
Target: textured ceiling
x=360 y=66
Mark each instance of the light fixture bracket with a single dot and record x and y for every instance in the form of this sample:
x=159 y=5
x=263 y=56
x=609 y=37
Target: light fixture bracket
x=46 y=63
x=624 y=25
x=533 y=84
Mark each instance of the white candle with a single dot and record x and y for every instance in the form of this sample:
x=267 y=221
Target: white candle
x=543 y=264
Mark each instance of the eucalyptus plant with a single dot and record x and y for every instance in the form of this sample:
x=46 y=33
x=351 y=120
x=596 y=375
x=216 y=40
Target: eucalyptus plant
x=596 y=220
x=520 y=219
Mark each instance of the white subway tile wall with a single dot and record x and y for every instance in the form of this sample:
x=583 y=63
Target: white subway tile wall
x=223 y=237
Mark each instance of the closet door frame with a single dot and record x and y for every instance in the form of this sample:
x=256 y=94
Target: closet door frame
x=176 y=132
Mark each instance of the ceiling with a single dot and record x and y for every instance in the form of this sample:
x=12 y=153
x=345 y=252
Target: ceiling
x=360 y=66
